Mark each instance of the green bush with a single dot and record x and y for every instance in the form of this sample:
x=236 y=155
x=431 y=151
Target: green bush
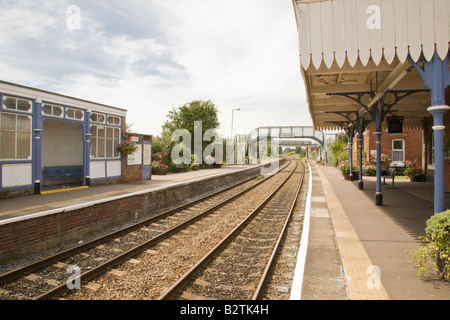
x=435 y=249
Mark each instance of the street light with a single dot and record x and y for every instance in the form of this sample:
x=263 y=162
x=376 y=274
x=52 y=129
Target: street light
x=232 y=120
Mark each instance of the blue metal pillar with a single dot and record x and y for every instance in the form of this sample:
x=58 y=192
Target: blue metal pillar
x=37 y=147
x=378 y=195
x=351 y=135
x=360 y=156
x=436 y=76
x=87 y=149
x=438 y=79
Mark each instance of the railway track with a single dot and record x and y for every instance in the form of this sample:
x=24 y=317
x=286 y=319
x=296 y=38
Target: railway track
x=47 y=278
x=237 y=268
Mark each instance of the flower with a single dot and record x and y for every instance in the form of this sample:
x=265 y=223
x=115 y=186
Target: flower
x=126 y=146
x=163 y=166
x=344 y=166
x=195 y=165
x=413 y=170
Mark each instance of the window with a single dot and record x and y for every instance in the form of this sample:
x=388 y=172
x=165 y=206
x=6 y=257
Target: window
x=398 y=150
x=14 y=104
x=104 y=141
x=15 y=137
x=114 y=120
x=98 y=118
x=51 y=110
x=74 y=114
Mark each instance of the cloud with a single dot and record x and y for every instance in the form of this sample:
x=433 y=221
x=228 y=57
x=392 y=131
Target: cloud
x=151 y=56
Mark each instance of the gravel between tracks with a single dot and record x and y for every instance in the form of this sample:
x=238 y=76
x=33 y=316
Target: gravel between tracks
x=150 y=273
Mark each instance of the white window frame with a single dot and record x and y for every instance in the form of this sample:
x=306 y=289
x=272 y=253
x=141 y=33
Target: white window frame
x=16 y=158
x=16 y=109
x=74 y=111
x=403 y=150
x=98 y=114
x=53 y=106
x=114 y=138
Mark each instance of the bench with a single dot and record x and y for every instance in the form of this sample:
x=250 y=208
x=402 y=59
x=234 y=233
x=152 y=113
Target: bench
x=63 y=171
x=389 y=172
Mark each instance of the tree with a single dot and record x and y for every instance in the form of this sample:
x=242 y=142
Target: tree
x=187 y=115
x=339 y=150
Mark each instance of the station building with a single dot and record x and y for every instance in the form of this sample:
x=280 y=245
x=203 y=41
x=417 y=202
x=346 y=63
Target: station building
x=49 y=139
x=364 y=62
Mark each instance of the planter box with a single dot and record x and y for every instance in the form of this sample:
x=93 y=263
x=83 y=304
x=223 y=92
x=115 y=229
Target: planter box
x=347 y=176
x=161 y=171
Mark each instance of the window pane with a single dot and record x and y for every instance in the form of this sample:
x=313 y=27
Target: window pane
x=9 y=103
x=109 y=132
x=398 y=144
x=23 y=145
x=57 y=111
x=109 y=148
x=8 y=122
x=101 y=147
x=116 y=133
x=101 y=132
x=7 y=145
x=47 y=109
x=93 y=147
x=94 y=117
x=70 y=113
x=23 y=124
x=79 y=114
x=116 y=143
x=397 y=156
x=94 y=131
x=24 y=105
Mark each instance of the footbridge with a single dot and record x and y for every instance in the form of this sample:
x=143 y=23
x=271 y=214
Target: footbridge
x=285 y=136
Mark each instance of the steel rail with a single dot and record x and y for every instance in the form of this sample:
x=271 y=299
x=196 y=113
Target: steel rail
x=32 y=267
x=182 y=281
x=102 y=268
x=262 y=282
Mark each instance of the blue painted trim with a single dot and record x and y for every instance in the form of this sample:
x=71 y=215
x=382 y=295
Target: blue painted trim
x=86 y=148
x=17 y=188
x=37 y=144
x=436 y=76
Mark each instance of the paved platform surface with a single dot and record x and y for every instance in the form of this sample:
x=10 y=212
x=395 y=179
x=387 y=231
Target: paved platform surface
x=358 y=251
x=19 y=207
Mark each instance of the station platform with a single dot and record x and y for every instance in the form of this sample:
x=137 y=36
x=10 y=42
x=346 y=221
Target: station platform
x=25 y=206
x=358 y=251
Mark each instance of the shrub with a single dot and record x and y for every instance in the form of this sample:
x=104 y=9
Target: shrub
x=369 y=170
x=435 y=250
x=413 y=170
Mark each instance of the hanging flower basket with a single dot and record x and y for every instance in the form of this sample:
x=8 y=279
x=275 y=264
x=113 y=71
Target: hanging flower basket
x=127 y=147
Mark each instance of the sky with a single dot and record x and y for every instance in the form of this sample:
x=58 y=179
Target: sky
x=155 y=55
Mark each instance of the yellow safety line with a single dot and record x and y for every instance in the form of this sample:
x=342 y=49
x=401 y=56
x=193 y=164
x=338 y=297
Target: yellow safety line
x=358 y=268
x=64 y=190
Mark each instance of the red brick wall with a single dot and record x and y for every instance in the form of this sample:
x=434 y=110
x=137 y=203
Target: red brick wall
x=22 y=238
x=413 y=144
x=133 y=172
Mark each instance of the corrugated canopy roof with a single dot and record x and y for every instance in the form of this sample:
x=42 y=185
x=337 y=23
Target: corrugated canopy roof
x=364 y=46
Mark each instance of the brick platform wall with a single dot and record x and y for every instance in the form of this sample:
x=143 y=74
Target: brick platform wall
x=22 y=238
